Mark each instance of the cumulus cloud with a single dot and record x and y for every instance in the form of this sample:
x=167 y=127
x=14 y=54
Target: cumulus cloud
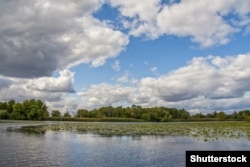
x=105 y=94
x=205 y=84
x=142 y=16
x=45 y=88
x=39 y=37
x=204 y=23
x=212 y=77
x=68 y=103
x=204 y=105
x=64 y=83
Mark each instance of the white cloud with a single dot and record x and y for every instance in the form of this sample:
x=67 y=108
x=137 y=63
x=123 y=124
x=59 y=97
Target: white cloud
x=39 y=37
x=105 y=94
x=127 y=78
x=203 y=21
x=124 y=78
x=202 y=76
x=195 y=19
x=143 y=16
x=20 y=91
x=100 y=43
x=67 y=103
x=205 y=84
x=116 y=66
x=64 y=83
x=48 y=89
x=143 y=11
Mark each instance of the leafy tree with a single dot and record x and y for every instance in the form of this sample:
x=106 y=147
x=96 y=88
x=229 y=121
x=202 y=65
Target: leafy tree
x=198 y=115
x=82 y=113
x=66 y=114
x=145 y=117
x=56 y=113
x=184 y=114
x=215 y=114
x=4 y=114
x=18 y=112
x=221 y=115
x=120 y=112
x=3 y=106
x=167 y=117
x=34 y=109
x=10 y=105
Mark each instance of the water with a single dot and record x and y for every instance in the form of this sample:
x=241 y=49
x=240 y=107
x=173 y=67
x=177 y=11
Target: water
x=66 y=149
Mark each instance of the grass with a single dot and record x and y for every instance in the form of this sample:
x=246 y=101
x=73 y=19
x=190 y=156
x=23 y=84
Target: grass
x=200 y=130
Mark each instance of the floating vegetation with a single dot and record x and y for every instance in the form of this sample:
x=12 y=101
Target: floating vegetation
x=34 y=129
x=200 y=130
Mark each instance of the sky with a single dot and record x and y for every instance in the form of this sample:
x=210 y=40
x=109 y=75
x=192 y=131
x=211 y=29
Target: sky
x=91 y=53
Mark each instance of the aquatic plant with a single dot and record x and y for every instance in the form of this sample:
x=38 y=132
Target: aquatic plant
x=199 y=130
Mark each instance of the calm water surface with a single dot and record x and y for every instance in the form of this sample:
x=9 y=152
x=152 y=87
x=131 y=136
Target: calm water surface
x=89 y=150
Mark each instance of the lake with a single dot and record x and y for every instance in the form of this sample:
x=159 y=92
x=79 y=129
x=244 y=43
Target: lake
x=72 y=148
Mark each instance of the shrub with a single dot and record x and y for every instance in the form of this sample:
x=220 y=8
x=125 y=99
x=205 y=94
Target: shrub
x=4 y=114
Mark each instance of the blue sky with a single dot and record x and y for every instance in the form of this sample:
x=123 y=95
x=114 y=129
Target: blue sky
x=93 y=53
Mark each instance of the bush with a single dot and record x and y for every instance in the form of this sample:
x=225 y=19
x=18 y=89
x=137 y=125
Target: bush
x=247 y=118
x=4 y=114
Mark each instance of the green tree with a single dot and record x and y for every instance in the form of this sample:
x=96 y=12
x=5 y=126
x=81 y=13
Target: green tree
x=167 y=117
x=137 y=111
x=184 y=114
x=56 y=113
x=3 y=105
x=198 y=115
x=10 y=106
x=82 y=113
x=4 y=114
x=66 y=114
x=34 y=109
x=221 y=115
x=18 y=112
x=145 y=117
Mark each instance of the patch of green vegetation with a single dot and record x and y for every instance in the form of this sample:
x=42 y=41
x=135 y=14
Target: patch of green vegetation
x=34 y=129
x=200 y=130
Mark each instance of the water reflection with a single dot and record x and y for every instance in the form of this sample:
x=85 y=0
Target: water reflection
x=55 y=148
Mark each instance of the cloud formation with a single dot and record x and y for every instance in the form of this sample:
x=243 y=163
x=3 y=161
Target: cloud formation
x=104 y=94
x=39 y=37
x=205 y=83
x=212 y=77
x=64 y=83
x=45 y=88
x=204 y=23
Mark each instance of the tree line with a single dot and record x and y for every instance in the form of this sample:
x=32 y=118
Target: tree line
x=27 y=110
x=37 y=110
